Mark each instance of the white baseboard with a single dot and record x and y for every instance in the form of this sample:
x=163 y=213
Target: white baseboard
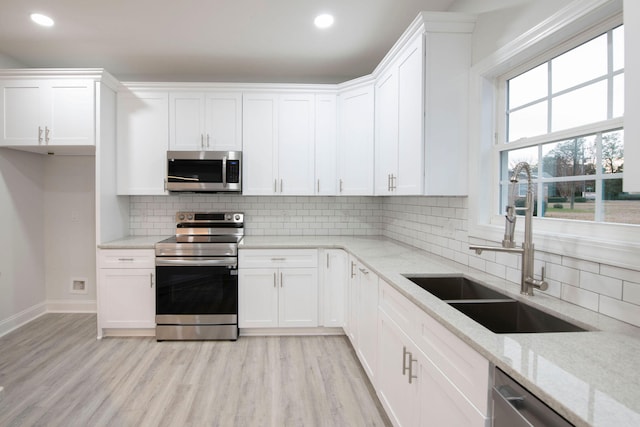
x=265 y=332
x=22 y=318
x=71 y=306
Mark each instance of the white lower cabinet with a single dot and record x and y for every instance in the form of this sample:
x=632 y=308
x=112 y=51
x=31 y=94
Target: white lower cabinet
x=362 y=312
x=333 y=269
x=446 y=385
x=126 y=289
x=277 y=288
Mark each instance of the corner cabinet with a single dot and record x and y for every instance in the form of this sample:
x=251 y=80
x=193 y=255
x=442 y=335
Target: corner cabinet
x=142 y=142
x=49 y=108
x=209 y=120
x=279 y=144
x=277 y=288
x=126 y=292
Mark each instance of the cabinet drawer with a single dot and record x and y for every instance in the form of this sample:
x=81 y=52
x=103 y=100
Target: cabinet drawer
x=398 y=308
x=267 y=258
x=133 y=258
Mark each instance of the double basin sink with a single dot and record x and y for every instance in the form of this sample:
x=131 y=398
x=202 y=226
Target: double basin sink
x=492 y=309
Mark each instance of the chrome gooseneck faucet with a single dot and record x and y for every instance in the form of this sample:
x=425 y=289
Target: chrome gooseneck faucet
x=527 y=281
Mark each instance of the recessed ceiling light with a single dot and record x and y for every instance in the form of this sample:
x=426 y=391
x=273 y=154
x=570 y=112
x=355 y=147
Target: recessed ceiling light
x=323 y=21
x=41 y=19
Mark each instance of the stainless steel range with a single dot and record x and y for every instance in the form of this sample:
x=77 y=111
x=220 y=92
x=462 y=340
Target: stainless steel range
x=197 y=278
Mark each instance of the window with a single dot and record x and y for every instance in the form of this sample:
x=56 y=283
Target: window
x=564 y=118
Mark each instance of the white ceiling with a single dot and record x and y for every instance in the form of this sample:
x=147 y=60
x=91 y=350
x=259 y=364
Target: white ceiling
x=210 y=40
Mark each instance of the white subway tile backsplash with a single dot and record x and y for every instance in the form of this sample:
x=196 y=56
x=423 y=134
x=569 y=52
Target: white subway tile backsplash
x=624 y=311
x=631 y=292
x=602 y=285
x=620 y=273
x=581 y=297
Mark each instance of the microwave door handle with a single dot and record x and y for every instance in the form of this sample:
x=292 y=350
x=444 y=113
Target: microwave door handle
x=224 y=171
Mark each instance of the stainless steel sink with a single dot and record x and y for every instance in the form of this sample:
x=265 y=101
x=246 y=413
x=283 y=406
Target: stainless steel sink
x=513 y=317
x=492 y=309
x=452 y=288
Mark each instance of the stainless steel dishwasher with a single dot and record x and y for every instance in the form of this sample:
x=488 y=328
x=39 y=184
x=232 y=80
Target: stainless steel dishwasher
x=515 y=406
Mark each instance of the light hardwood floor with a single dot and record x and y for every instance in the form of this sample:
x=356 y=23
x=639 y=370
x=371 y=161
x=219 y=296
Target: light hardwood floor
x=55 y=373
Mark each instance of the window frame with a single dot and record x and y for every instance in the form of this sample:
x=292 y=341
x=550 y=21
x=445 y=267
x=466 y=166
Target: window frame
x=615 y=244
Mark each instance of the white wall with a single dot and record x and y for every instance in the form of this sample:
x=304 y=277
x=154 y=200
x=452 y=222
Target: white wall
x=22 y=269
x=501 y=21
x=69 y=222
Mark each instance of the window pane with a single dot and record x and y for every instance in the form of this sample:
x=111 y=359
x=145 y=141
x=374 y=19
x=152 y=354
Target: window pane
x=618 y=48
x=529 y=155
x=613 y=152
x=528 y=87
x=580 y=107
x=574 y=157
x=530 y=121
x=620 y=207
x=570 y=200
x=618 y=96
x=579 y=65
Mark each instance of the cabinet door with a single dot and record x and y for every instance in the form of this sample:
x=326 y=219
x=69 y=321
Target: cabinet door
x=298 y=297
x=259 y=121
x=333 y=277
x=440 y=402
x=70 y=112
x=355 y=142
x=410 y=155
x=186 y=121
x=143 y=140
x=295 y=144
x=21 y=112
x=386 y=150
x=126 y=298
x=367 y=320
x=258 y=298
x=326 y=145
x=223 y=121
x=397 y=395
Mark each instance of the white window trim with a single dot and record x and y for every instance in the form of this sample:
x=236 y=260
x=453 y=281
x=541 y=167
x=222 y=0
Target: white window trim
x=615 y=244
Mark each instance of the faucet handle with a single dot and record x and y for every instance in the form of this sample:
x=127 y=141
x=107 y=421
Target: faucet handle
x=542 y=284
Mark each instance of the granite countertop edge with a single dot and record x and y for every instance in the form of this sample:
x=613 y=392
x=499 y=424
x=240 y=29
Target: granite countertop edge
x=596 y=372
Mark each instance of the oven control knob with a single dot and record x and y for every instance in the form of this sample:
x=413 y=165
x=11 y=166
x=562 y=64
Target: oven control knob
x=189 y=217
x=237 y=217
x=181 y=217
x=227 y=217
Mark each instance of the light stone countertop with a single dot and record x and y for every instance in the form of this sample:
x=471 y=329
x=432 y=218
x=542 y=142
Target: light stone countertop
x=591 y=378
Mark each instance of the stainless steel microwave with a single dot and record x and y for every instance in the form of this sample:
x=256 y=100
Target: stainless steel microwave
x=204 y=171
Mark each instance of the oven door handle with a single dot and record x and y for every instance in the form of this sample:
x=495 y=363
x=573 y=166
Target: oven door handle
x=197 y=262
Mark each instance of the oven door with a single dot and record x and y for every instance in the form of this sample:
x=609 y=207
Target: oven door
x=196 y=291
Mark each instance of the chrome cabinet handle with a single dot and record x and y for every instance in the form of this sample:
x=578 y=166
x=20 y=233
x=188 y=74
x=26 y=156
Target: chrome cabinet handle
x=207 y=140
x=411 y=375
x=353 y=273
x=389 y=182
x=393 y=182
x=278 y=259
x=318 y=186
x=281 y=180
x=151 y=280
x=327 y=260
x=341 y=185
x=46 y=134
x=201 y=140
x=125 y=259
x=274 y=279
x=275 y=185
x=404 y=360
x=39 y=135
x=280 y=279
x=364 y=270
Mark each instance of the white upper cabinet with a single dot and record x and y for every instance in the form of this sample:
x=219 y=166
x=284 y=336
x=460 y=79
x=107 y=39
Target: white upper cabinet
x=44 y=112
x=355 y=140
x=326 y=144
x=278 y=146
x=142 y=141
x=205 y=121
x=421 y=109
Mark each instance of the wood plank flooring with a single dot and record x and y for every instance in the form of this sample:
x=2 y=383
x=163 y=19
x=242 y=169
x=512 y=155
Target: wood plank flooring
x=55 y=373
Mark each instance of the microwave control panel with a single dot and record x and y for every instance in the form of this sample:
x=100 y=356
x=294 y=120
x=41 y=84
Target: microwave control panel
x=233 y=171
